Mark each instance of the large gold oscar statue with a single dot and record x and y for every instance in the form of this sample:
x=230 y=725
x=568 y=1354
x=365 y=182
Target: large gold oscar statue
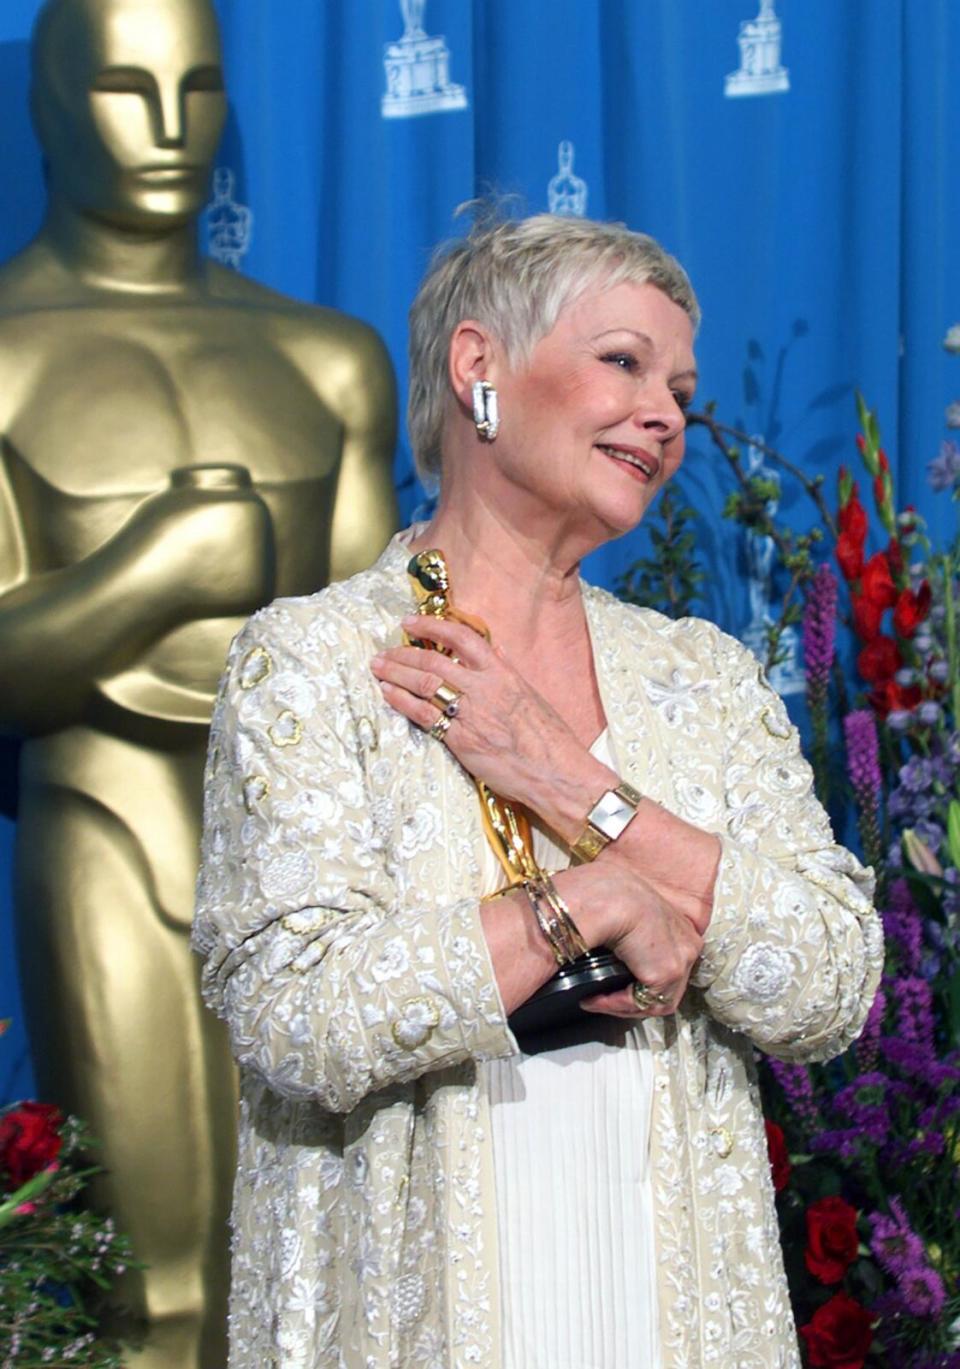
x=179 y=445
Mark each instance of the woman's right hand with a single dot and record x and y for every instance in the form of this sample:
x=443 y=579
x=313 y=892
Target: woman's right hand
x=617 y=908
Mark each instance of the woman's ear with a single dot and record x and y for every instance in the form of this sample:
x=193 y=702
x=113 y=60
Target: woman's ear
x=473 y=357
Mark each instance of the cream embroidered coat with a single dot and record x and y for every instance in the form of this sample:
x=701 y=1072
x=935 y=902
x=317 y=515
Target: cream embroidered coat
x=339 y=923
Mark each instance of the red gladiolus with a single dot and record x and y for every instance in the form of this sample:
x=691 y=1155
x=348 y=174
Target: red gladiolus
x=832 y=1239
x=852 y=518
x=838 y=1335
x=867 y=615
x=29 y=1140
x=888 y=695
x=879 y=659
x=849 y=556
x=861 y=442
x=911 y=609
x=895 y=557
x=779 y=1159
x=852 y=523
x=879 y=490
x=876 y=583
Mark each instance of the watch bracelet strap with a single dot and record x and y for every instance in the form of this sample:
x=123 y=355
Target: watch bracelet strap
x=592 y=840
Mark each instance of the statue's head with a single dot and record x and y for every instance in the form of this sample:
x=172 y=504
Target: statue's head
x=129 y=106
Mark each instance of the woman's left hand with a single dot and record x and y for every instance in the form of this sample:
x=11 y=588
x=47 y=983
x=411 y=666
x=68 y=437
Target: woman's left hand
x=503 y=731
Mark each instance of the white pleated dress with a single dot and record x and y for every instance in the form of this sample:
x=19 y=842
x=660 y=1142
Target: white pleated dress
x=571 y=1144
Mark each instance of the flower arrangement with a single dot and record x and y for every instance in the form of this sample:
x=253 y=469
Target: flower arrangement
x=865 y=1150
x=56 y=1259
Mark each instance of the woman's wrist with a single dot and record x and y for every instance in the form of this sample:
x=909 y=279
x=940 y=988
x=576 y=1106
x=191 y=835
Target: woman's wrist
x=568 y=790
x=593 y=909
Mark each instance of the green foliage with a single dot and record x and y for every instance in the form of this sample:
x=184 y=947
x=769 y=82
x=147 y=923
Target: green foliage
x=57 y=1263
x=670 y=579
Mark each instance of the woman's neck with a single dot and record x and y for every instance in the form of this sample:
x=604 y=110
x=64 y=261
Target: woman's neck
x=513 y=569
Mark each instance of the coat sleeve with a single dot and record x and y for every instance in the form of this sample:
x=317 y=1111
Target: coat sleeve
x=794 y=951
x=332 y=984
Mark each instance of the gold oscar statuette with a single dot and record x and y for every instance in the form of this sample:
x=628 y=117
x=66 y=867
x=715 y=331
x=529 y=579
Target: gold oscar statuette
x=179 y=446
x=507 y=829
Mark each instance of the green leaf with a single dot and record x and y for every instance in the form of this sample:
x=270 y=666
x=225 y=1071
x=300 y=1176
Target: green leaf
x=953 y=831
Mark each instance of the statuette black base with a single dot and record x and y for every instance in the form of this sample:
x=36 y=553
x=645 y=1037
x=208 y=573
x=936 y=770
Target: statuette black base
x=556 y=1005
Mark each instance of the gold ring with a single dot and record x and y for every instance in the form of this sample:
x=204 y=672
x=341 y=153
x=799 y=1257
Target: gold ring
x=447 y=699
x=439 y=728
x=647 y=998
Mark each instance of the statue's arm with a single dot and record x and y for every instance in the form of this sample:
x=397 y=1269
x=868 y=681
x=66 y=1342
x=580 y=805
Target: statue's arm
x=61 y=630
x=365 y=510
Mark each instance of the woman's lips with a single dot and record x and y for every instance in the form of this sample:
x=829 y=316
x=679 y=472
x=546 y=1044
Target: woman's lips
x=640 y=464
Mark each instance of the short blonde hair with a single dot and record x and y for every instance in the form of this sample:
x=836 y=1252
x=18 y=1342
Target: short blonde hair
x=515 y=277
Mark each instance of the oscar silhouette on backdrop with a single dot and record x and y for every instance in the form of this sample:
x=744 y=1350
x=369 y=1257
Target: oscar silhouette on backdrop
x=178 y=446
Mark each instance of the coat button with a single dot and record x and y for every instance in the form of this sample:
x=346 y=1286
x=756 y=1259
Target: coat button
x=722 y=1141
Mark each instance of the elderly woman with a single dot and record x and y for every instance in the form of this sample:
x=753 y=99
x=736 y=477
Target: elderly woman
x=413 y=1189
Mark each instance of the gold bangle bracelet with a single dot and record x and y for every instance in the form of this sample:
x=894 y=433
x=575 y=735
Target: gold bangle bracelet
x=549 y=923
x=565 y=917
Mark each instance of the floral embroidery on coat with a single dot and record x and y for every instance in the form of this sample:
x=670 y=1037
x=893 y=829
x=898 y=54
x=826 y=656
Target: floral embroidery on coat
x=343 y=947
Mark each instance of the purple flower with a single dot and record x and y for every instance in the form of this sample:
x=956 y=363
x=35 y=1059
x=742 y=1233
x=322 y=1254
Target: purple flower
x=863 y=1106
x=922 y=1291
x=913 y=1059
x=846 y=1145
x=903 y=926
x=868 y=1047
x=914 y=1007
x=863 y=763
x=820 y=628
x=944 y=469
x=899 y=719
x=894 y=1243
x=917 y=775
x=928 y=713
x=797 y=1089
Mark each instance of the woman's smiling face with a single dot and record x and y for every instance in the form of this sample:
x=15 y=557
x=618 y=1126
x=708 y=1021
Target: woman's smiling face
x=594 y=424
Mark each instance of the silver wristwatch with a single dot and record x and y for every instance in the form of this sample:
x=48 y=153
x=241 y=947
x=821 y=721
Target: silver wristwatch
x=611 y=814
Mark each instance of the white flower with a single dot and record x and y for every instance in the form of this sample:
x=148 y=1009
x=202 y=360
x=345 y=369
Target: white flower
x=409 y=1299
x=952 y=340
x=293 y=692
x=419 y=832
x=763 y=973
x=393 y=961
x=417 y=1019
x=286 y=875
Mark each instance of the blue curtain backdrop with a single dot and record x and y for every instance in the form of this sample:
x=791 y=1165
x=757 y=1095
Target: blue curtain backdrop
x=810 y=188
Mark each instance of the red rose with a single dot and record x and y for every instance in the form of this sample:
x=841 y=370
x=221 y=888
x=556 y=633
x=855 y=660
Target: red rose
x=779 y=1159
x=839 y=1334
x=832 y=1239
x=879 y=659
x=867 y=616
x=29 y=1140
x=876 y=583
x=911 y=609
